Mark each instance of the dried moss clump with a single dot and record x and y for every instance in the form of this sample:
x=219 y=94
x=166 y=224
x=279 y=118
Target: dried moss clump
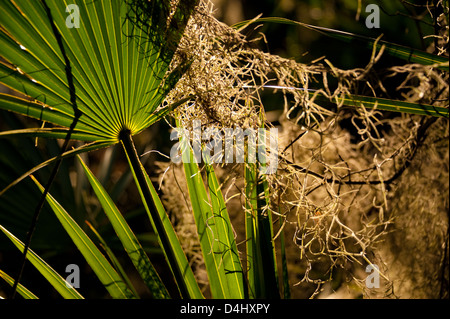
x=347 y=177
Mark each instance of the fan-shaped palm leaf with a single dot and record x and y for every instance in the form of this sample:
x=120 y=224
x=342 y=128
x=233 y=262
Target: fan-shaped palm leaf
x=99 y=80
x=118 y=64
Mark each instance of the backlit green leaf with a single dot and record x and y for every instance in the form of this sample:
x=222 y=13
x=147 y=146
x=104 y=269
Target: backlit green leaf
x=99 y=264
x=51 y=275
x=128 y=239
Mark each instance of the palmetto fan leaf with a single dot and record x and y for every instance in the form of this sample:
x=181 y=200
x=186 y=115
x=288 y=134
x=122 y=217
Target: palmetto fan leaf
x=100 y=81
x=119 y=57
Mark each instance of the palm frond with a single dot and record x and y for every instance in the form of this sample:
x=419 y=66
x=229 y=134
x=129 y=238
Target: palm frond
x=119 y=68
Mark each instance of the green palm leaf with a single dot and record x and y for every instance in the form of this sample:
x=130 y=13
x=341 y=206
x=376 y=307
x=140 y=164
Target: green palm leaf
x=389 y=105
x=112 y=257
x=382 y=104
x=128 y=239
x=24 y=292
x=214 y=231
x=168 y=239
x=48 y=272
x=81 y=149
x=93 y=82
x=225 y=238
x=119 y=73
x=99 y=264
x=262 y=270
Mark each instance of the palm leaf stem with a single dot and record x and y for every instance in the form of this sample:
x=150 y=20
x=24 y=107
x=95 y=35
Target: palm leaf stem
x=128 y=144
